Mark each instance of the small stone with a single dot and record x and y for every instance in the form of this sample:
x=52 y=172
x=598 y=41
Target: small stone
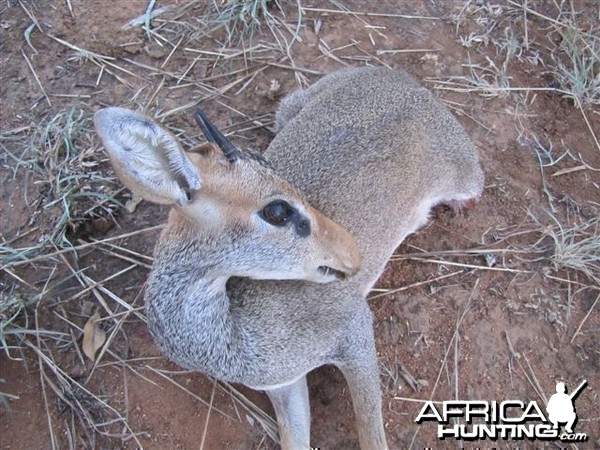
x=155 y=51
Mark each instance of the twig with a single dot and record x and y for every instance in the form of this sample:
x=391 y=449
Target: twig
x=469 y=266
x=454 y=336
x=368 y=14
x=200 y=399
x=82 y=246
x=296 y=69
x=414 y=285
x=584 y=319
x=407 y=50
x=36 y=78
x=53 y=440
x=210 y=405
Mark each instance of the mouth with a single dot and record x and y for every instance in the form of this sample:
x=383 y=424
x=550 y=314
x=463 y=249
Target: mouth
x=329 y=271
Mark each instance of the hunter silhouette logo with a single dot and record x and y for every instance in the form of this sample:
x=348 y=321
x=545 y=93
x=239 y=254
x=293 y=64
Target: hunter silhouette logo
x=510 y=419
x=560 y=407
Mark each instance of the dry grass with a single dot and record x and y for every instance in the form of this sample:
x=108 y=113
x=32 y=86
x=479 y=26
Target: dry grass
x=241 y=19
x=572 y=64
x=70 y=184
x=453 y=348
x=575 y=247
x=565 y=244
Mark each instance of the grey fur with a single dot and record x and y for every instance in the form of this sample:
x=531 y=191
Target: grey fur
x=374 y=151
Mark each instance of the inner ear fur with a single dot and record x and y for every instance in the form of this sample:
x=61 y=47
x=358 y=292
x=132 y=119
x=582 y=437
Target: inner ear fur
x=147 y=157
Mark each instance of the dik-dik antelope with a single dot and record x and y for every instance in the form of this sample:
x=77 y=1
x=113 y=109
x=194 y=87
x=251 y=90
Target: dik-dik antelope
x=365 y=150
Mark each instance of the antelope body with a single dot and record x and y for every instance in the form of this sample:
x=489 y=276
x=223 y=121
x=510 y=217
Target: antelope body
x=244 y=285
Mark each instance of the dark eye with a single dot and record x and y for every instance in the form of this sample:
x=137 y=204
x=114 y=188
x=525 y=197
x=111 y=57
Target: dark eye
x=277 y=213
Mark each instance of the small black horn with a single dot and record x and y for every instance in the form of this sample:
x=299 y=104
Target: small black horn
x=214 y=136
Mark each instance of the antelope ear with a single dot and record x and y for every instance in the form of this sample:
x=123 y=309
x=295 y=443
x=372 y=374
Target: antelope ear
x=146 y=157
